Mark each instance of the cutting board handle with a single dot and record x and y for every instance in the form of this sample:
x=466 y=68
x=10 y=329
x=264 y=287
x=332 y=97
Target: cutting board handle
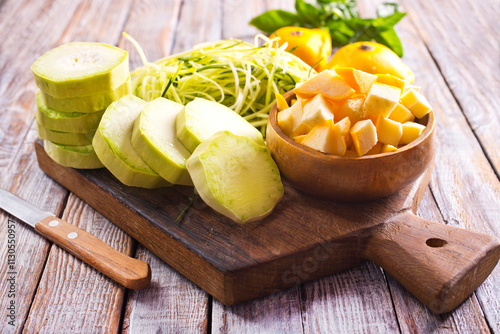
x=441 y=265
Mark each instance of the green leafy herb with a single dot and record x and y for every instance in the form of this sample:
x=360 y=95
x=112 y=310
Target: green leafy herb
x=341 y=19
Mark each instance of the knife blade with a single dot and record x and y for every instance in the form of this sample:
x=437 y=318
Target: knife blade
x=129 y=272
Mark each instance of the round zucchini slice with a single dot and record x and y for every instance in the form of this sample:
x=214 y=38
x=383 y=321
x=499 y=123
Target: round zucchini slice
x=65 y=138
x=86 y=104
x=154 y=139
x=236 y=177
x=81 y=157
x=64 y=121
x=112 y=144
x=81 y=69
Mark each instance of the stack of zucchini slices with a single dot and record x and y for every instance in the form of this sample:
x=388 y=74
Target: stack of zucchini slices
x=77 y=82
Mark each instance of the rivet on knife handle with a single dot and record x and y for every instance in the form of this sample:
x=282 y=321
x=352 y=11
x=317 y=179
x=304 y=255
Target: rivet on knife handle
x=129 y=272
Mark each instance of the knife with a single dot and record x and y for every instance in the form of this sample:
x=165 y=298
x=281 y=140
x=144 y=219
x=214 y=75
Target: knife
x=129 y=272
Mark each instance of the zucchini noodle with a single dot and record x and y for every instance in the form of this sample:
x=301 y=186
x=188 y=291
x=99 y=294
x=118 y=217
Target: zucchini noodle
x=237 y=74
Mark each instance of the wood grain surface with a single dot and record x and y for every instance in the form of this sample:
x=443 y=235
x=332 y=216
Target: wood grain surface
x=452 y=47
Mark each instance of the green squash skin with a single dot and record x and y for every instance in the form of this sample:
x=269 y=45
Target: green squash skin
x=87 y=104
x=109 y=148
x=147 y=146
x=93 y=83
x=122 y=171
x=66 y=122
x=213 y=184
x=65 y=138
x=80 y=157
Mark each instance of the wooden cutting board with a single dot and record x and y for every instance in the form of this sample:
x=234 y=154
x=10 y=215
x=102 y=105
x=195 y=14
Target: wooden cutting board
x=304 y=238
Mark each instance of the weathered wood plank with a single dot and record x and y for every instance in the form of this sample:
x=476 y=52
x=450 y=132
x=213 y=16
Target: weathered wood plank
x=22 y=41
x=172 y=303
x=72 y=296
x=37 y=27
x=154 y=24
x=464 y=185
x=462 y=37
x=277 y=313
x=25 y=179
x=27 y=34
x=235 y=20
x=199 y=22
x=355 y=301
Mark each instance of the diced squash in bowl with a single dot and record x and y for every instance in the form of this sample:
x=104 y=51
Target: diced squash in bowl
x=348 y=112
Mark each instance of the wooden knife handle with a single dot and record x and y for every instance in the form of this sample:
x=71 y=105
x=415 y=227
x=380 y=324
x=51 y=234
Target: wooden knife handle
x=129 y=272
x=441 y=265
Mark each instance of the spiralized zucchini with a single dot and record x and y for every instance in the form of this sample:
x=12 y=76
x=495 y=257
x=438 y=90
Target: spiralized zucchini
x=239 y=75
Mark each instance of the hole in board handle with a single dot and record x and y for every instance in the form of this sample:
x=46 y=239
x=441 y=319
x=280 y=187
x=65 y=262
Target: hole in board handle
x=435 y=242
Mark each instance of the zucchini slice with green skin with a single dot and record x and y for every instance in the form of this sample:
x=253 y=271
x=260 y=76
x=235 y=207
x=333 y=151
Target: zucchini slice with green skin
x=86 y=104
x=154 y=139
x=201 y=118
x=81 y=69
x=81 y=157
x=65 y=138
x=236 y=177
x=64 y=121
x=112 y=144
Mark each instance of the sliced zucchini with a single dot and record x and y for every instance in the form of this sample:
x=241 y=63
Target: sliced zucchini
x=65 y=138
x=112 y=144
x=154 y=139
x=67 y=122
x=82 y=157
x=81 y=69
x=86 y=104
x=236 y=177
x=201 y=118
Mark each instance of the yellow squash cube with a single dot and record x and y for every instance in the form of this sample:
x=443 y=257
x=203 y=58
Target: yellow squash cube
x=298 y=128
x=327 y=83
x=299 y=139
x=341 y=136
x=316 y=110
x=389 y=131
x=411 y=131
x=408 y=86
x=388 y=148
x=360 y=81
x=364 y=136
x=285 y=121
x=416 y=103
x=401 y=114
x=381 y=99
x=320 y=137
x=391 y=80
x=352 y=108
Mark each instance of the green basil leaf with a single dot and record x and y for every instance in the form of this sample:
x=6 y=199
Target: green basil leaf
x=390 y=39
x=272 y=20
x=340 y=33
x=308 y=13
x=389 y=21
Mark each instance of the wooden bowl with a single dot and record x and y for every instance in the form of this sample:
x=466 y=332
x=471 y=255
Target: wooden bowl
x=349 y=179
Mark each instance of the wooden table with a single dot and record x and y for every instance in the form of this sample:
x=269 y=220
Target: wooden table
x=453 y=47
